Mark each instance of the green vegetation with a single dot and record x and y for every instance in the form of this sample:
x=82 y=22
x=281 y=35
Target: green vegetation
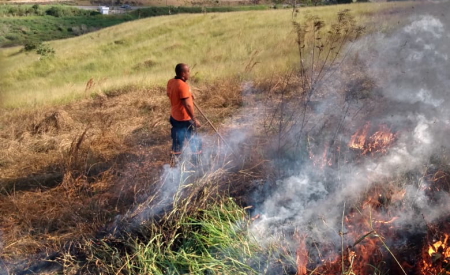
x=41 y=10
x=19 y=31
x=212 y=240
x=21 y=24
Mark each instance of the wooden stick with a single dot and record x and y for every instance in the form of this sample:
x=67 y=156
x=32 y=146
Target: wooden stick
x=217 y=132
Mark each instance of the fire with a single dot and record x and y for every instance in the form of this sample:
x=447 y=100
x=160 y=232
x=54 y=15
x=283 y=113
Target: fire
x=377 y=142
x=365 y=229
x=302 y=257
x=358 y=140
x=438 y=259
x=373 y=236
x=389 y=221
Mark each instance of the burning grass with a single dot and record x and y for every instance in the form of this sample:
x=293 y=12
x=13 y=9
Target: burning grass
x=375 y=242
x=377 y=142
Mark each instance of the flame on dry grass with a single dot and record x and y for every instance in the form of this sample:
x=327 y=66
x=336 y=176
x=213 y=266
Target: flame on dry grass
x=302 y=256
x=378 y=142
x=436 y=257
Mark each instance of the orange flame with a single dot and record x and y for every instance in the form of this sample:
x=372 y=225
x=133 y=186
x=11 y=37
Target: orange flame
x=438 y=257
x=377 y=142
x=302 y=258
x=358 y=140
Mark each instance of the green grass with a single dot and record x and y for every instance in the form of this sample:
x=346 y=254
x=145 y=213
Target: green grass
x=211 y=241
x=20 y=30
x=21 y=24
x=143 y=53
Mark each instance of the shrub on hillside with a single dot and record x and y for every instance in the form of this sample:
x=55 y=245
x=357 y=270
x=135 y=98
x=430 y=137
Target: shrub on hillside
x=31 y=45
x=57 y=12
x=45 y=50
x=37 y=10
x=12 y=36
x=19 y=10
x=61 y=11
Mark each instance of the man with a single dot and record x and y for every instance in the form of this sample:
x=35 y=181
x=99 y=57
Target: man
x=182 y=115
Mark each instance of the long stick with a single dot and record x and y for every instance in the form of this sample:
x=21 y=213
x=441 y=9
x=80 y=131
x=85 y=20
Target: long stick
x=217 y=132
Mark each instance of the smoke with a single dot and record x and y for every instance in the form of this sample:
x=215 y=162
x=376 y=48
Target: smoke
x=187 y=170
x=410 y=69
x=155 y=202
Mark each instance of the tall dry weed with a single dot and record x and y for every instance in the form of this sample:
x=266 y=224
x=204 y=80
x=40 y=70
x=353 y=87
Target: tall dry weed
x=322 y=53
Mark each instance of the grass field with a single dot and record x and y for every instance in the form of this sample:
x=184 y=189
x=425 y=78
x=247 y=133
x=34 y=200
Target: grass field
x=142 y=53
x=84 y=136
x=24 y=24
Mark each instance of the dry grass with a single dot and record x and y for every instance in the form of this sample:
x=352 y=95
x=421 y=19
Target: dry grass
x=84 y=163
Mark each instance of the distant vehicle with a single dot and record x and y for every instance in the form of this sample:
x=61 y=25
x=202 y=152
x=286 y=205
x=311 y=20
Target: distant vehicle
x=126 y=6
x=103 y=10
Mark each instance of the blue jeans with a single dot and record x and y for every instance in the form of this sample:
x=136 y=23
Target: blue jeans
x=184 y=131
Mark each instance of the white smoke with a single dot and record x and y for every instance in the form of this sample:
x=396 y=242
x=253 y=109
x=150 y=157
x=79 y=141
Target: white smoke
x=216 y=153
x=411 y=68
x=163 y=196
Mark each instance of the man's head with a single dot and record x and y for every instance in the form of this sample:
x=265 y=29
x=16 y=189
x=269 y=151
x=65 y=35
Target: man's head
x=182 y=71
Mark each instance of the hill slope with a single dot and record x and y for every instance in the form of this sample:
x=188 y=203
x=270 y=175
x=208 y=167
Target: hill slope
x=143 y=53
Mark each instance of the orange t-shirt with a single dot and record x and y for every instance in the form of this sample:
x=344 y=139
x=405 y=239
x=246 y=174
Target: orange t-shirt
x=177 y=90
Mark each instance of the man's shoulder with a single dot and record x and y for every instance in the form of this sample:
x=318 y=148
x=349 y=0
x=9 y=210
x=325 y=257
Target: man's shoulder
x=178 y=82
x=171 y=81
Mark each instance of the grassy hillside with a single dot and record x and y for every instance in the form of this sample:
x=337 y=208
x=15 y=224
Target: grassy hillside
x=142 y=53
x=20 y=31
x=25 y=24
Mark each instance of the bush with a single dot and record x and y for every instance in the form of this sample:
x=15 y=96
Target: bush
x=55 y=11
x=12 y=36
x=31 y=45
x=61 y=11
x=45 y=50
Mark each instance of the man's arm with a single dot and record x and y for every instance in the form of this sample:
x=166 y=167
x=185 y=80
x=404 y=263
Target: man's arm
x=189 y=104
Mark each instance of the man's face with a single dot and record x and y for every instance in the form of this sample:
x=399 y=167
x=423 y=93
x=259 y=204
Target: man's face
x=186 y=73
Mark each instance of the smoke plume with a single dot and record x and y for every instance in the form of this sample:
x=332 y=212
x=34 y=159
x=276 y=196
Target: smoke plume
x=409 y=68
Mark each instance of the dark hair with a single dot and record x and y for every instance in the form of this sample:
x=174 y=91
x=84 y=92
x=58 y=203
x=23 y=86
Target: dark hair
x=180 y=68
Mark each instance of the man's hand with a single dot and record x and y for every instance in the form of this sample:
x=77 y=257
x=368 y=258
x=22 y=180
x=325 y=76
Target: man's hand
x=196 y=123
x=189 y=104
